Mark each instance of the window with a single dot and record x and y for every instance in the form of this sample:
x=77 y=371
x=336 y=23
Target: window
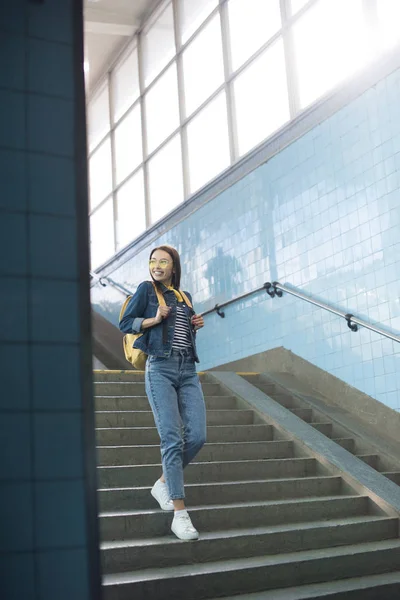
x=330 y=43
x=388 y=22
x=165 y=179
x=125 y=84
x=131 y=214
x=192 y=14
x=100 y=174
x=296 y=5
x=158 y=45
x=261 y=98
x=203 y=66
x=98 y=117
x=162 y=109
x=128 y=144
x=208 y=142
x=251 y=24
x=102 y=234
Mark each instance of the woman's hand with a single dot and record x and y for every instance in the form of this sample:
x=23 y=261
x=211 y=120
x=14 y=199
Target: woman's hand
x=197 y=322
x=162 y=313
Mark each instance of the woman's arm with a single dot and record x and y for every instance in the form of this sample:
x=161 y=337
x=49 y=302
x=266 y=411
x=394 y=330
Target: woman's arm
x=132 y=319
x=162 y=313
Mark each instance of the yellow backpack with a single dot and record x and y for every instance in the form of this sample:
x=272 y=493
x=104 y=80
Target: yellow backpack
x=137 y=357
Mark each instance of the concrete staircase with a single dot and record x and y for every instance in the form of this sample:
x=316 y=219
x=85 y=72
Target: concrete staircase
x=274 y=522
x=318 y=416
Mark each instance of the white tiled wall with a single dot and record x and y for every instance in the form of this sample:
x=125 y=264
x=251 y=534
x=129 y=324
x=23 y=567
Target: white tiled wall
x=324 y=216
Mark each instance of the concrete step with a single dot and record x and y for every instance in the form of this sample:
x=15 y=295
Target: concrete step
x=118 y=557
x=287 y=400
x=116 y=376
x=145 y=418
x=303 y=413
x=369 y=459
x=115 y=403
x=139 y=498
x=244 y=470
x=142 y=455
x=128 y=388
x=393 y=476
x=269 y=572
x=123 y=525
x=284 y=398
x=268 y=388
x=127 y=376
x=380 y=462
x=370 y=587
x=347 y=443
x=127 y=436
x=325 y=428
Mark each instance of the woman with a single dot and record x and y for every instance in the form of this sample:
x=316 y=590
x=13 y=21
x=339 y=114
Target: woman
x=172 y=384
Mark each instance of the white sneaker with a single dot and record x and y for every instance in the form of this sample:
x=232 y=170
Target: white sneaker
x=183 y=528
x=159 y=491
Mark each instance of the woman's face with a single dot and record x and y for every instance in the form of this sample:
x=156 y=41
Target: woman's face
x=161 y=267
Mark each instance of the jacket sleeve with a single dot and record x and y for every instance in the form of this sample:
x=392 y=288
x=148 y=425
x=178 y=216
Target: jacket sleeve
x=193 y=311
x=133 y=317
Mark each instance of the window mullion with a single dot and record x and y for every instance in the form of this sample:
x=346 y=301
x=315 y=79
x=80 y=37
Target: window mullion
x=230 y=100
x=144 y=132
x=290 y=61
x=113 y=161
x=181 y=101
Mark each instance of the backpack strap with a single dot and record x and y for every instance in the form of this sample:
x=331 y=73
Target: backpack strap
x=160 y=297
x=161 y=302
x=186 y=299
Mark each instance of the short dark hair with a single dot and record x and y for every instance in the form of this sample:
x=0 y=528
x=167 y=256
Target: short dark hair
x=176 y=277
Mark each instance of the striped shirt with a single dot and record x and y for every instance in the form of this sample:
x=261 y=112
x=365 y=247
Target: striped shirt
x=182 y=333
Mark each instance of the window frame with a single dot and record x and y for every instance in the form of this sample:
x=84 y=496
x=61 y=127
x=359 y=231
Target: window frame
x=298 y=116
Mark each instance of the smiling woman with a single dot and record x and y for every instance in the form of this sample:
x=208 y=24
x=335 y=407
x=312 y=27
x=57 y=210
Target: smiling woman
x=172 y=384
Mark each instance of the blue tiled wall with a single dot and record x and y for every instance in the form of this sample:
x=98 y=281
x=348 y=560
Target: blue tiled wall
x=44 y=543
x=324 y=216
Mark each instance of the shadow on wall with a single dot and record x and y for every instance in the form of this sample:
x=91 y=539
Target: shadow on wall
x=222 y=273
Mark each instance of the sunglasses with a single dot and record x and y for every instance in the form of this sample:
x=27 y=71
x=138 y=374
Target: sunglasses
x=161 y=263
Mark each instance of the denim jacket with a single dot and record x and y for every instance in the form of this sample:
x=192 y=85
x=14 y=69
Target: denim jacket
x=143 y=305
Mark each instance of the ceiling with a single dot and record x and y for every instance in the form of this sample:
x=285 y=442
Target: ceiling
x=109 y=24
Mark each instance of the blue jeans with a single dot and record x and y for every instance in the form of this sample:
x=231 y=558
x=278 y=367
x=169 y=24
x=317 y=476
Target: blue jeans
x=176 y=398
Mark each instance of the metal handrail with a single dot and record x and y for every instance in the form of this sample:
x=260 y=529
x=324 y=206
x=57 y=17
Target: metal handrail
x=103 y=281
x=352 y=321
x=97 y=278
x=272 y=289
x=217 y=307
x=277 y=289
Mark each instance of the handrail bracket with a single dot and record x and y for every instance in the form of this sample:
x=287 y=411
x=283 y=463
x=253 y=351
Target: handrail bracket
x=219 y=312
x=272 y=290
x=350 y=325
